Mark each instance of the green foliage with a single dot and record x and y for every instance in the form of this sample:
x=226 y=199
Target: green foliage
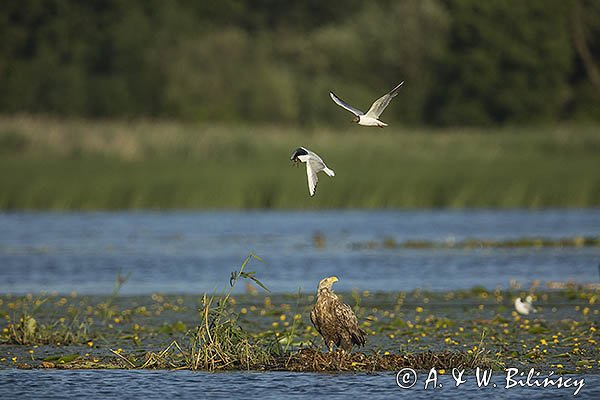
x=124 y=165
x=12 y=142
x=584 y=95
x=219 y=342
x=505 y=62
x=464 y=62
x=25 y=329
x=82 y=58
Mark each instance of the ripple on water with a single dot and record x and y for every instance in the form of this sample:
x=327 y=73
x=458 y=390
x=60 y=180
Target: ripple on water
x=25 y=384
x=193 y=252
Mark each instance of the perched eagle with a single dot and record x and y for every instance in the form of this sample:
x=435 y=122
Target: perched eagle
x=335 y=320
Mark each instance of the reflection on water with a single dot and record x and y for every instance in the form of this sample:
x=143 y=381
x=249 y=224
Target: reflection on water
x=191 y=252
x=265 y=385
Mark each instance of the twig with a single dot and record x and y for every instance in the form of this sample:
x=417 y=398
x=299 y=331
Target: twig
x=129 y=362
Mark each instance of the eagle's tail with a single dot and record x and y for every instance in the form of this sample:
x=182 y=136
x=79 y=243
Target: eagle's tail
x=358 y=337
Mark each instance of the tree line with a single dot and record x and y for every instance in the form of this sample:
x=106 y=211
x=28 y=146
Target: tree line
x=465 y=62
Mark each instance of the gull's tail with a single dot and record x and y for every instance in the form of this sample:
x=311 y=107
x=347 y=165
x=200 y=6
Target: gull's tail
x=329 y=171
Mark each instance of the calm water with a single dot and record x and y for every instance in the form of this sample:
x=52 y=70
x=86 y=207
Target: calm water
x=181 y=252
x=192 y=252
x=266 y=385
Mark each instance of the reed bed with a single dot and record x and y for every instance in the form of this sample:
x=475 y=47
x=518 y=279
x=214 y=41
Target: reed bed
x=49 y=163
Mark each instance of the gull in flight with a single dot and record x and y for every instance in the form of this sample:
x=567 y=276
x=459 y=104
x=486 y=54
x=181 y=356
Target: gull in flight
x=524 y=307
x=314 y=164
x=371 y=118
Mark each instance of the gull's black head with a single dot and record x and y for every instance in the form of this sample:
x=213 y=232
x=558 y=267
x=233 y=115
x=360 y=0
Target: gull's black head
x=298 y=152
x=356 y=119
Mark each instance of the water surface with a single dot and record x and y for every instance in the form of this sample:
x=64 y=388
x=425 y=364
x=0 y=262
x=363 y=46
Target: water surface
x=192 y=252
x=266 y=385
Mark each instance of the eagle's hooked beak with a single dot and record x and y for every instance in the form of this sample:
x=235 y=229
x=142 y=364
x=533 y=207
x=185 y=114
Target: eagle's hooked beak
x=333 y=279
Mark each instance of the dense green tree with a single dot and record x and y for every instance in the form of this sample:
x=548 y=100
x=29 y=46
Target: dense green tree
x=96 y=58
x=464 y=61
x=584 y=94
x=506 y=61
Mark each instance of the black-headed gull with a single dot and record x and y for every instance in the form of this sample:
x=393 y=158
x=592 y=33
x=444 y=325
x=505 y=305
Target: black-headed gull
x=314 y=164
x=524 y=307
x=371 y=117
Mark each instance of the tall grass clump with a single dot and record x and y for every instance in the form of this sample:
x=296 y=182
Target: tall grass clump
x=218 y=342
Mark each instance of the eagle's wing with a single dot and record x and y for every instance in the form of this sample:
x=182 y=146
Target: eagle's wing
x=315 y=320
x=348 y=321
x=381 y=103
x=345 y=105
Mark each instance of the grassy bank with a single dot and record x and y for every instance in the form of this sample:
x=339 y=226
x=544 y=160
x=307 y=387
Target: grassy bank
x=76 y=164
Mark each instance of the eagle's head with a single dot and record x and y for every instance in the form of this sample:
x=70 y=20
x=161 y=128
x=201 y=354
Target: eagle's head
x=356 y=119
x=326 y=283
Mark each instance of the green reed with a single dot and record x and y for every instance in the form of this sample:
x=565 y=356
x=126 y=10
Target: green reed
x=79 y=164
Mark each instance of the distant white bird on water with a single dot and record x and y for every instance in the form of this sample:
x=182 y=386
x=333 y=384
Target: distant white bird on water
x=371 y=118
x=314 y=164
x=524 y=307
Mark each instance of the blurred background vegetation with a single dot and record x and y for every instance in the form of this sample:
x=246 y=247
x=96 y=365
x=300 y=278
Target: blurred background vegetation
x=466 y=62
x=198 y=104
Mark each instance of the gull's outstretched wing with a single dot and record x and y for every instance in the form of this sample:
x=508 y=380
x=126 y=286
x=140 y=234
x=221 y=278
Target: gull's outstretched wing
x=345 y=105
x=381 y=103
x=311 y=172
